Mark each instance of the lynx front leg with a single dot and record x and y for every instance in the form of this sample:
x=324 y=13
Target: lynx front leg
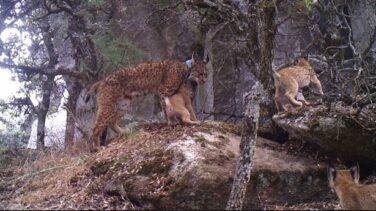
x=191 y=111
x=106 y=115
x=186 y=112
x=99 y=127
x=169 y=88
x=169 y=111
x=165 y=112
x=96 y=135
x=123 y=107
x=120 y=131
x=186 y=117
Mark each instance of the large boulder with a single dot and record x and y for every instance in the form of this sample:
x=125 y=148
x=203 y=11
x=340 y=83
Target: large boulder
x=193 y=168
x=163 y=167
x=342 y=130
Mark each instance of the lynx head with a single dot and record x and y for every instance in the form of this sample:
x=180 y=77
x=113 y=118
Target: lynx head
x=315 y=83
x=343 y=176
x=199 y=72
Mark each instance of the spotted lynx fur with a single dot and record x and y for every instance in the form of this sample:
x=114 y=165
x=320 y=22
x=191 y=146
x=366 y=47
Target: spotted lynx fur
x=179 y=106
x=116 y=90
x=289 y=80
x=351 y=194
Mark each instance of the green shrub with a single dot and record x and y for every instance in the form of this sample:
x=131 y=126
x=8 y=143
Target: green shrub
x=117 y=51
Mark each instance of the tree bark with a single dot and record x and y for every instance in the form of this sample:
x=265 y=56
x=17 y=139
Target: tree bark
x=266 y=29
x=266 y=32
x=43 y=109
x=205 y=95
x=247 y=147
x=74 y=90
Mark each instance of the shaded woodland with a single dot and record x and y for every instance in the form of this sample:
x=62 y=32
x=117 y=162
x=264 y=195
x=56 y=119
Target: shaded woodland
x=56 y=49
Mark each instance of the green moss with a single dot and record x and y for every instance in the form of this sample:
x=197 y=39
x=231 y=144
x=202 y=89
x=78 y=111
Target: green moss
x=117 y=51
x=177 y=189
x=230 y=128
x=200 y=139
x=123 y=158
x=223 y=139
x=132 y=135
x=206 y=130
x=160 y=163
x=307 y=4
x=96 y=2
x=217 y=144
x=264 y=112
x=230 y=154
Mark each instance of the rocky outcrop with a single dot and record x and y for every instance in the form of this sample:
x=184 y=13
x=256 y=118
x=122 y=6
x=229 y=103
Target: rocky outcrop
x=193 y=168
x=162 y=167
x=340 y=129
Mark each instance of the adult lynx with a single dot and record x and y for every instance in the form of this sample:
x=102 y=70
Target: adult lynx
x=162 y=78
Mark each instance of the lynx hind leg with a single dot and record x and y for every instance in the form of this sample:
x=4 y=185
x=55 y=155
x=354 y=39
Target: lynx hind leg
x=279 y=96
x=278 y=104
x=300 y=97
x=290 y=95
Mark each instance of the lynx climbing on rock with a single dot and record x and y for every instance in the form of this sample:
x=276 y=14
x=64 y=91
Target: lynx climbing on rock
x=289 y=80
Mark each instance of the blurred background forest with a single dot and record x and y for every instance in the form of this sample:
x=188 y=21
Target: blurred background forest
x=55 y=49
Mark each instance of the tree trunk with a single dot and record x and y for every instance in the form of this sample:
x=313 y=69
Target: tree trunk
x=74 y=90
x=43 y=109
x=266 y=31
x=266 y=36
x=205 y=98
x=26 y=127
x=247 y=147
x=85 y=116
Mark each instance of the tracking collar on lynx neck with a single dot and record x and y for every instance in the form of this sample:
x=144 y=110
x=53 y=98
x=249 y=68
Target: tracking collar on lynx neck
x=189 y=63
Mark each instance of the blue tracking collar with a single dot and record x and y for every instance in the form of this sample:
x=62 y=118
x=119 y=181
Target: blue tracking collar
x=189 y=63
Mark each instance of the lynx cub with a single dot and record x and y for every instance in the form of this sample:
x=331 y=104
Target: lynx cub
x=179 y=105
x=351 y=194
x=289 y=80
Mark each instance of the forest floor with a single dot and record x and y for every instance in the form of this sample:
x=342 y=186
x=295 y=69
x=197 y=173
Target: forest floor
x=62 y=179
